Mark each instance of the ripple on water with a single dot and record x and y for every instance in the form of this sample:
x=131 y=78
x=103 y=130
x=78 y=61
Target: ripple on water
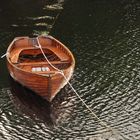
x=106 y=76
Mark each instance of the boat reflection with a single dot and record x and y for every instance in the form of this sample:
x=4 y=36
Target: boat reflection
x=32 y=105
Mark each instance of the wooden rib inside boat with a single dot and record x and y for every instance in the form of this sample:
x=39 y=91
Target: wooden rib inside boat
x=27 y=64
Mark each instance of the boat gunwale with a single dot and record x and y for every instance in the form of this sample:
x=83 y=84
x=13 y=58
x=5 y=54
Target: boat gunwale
x=50 y=37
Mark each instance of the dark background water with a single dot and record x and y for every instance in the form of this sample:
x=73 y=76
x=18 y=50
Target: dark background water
x=104 y=36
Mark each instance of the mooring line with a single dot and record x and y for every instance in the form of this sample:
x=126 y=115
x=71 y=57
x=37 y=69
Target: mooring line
x=3 y=55
x=61 y=72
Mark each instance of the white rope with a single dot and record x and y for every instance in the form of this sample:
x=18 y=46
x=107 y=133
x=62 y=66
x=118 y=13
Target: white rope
x=39 y=45
x=4 y=55
x=61 y=72
x=7 y=53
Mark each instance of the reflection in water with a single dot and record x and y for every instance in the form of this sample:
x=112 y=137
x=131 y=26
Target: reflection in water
x=23 y=113
x=34 y=106
x=30 y=18
x=29 y=103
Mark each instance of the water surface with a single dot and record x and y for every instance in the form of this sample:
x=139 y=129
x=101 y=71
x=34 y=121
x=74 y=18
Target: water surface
x=104 y=37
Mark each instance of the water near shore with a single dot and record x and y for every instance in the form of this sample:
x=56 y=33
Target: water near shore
x=104 y=37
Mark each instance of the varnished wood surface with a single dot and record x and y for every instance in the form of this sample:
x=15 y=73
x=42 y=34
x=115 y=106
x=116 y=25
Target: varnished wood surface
x=47 y=83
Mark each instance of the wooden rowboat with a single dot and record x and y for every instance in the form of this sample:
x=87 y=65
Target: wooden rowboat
x=27 y=64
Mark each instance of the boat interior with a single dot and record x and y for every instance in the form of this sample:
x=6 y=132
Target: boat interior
x=30 y=58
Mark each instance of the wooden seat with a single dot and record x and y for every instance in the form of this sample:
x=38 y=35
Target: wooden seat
x=40 y=63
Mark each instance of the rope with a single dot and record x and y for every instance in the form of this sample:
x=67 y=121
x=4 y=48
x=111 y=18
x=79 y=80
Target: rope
x=7 y=53
x=39 y=46
x=61 y=72
x=4 y=55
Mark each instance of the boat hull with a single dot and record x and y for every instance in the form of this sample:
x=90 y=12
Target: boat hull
x=45 y=86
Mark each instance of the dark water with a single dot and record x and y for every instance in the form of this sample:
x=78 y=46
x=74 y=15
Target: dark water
x=104 y=37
